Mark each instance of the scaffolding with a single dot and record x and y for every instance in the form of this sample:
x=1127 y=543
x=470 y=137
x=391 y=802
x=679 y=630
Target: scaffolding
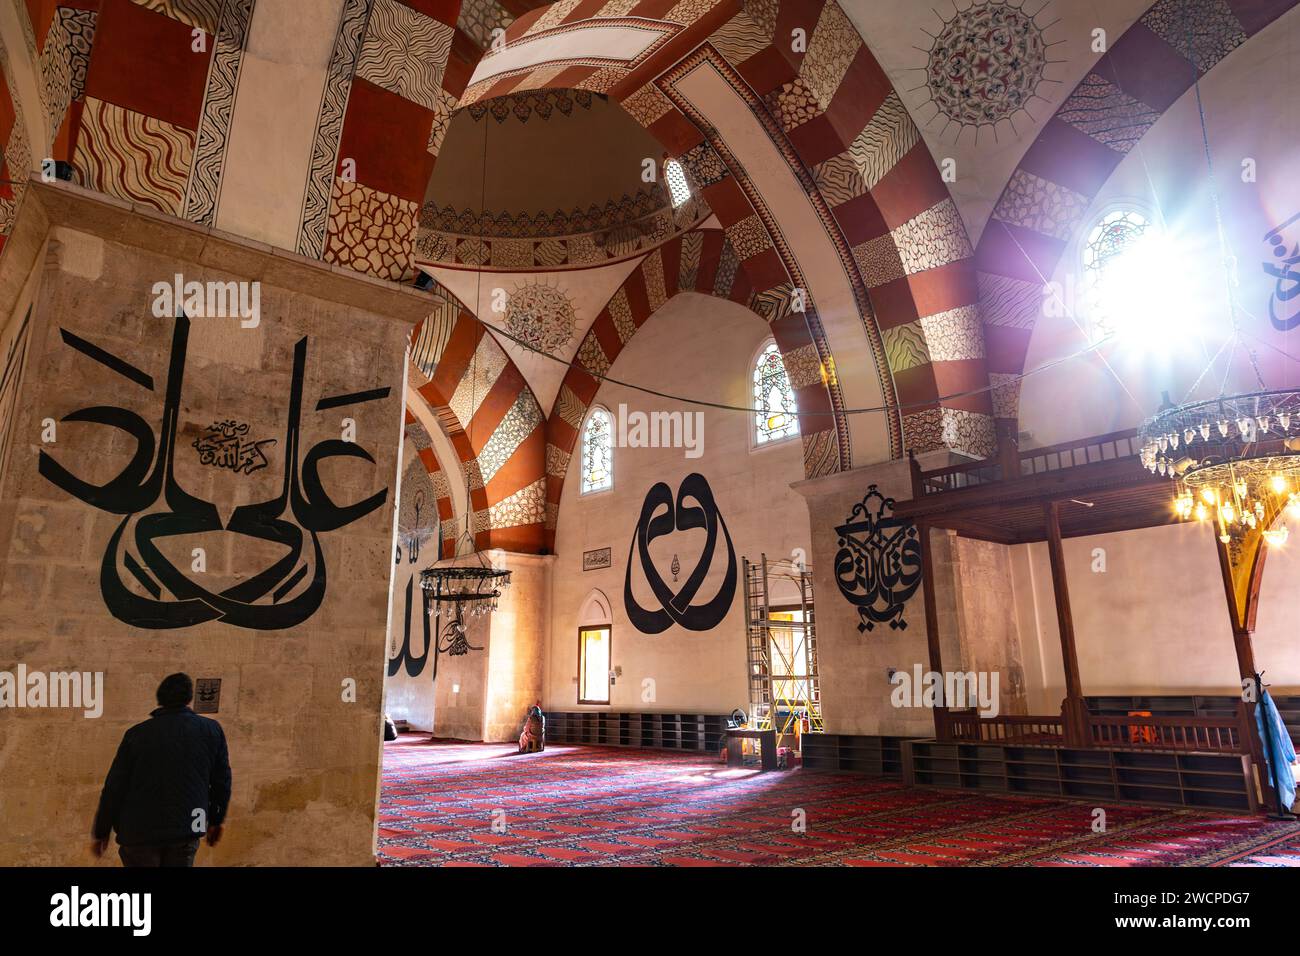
x=782 y=649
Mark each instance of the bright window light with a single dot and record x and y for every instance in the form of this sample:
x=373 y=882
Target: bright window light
x=678 y=188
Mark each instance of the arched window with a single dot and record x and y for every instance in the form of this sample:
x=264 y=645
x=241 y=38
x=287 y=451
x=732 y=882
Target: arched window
x=678 y=188
x=598 y=451
x=1107 y=267
x=776 y=417
x=595 y=658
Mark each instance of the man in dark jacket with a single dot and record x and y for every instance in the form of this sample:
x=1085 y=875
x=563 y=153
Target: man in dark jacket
x=168 y=786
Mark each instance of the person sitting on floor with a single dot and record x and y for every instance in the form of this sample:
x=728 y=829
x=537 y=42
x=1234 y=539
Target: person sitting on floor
x=533 y=738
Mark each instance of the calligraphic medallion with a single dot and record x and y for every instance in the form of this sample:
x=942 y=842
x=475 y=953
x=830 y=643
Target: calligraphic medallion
x=878 y=565
x=676 y=607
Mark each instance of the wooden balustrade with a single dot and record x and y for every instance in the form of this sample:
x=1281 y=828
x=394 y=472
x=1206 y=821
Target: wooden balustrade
x=1226 y=734
x=1084 y=451
x=1185 y=734
x=1010 y=463
x=1013 y=728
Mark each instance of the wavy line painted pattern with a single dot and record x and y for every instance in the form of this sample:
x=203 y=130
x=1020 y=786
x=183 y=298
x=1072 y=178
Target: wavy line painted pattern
x=133 y=156
x=218 y=110
x=405 y=52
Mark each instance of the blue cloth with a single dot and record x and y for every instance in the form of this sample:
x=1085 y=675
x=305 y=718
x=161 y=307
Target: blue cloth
x=1278 y=750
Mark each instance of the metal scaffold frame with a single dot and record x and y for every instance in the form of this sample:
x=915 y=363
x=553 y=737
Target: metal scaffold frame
x=770 y=709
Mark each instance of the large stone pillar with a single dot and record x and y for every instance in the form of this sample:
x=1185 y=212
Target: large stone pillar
x=482 y=691
x=143 y=537
x=854 y=664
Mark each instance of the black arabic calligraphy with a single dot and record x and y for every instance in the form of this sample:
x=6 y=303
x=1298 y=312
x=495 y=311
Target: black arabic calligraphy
x=280 y=596
x=1288 y=280
x=878 y=566
x=677 y=608
x=224 y=446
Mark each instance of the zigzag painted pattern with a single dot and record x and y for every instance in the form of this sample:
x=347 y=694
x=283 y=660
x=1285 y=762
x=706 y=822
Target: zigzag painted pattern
x=885 y=140
x=570 y=408
x=1010 y=302
x=218 y=106
x=329 y=128
x=204 y=14
x=133 y=156
x=740 y=38
x=905 y=347
x=820 y=454
x=405 y=52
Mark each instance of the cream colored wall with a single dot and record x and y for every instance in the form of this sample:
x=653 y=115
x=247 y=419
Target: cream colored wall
x=1156 y=621
x=1120 y=384
x=700 y=347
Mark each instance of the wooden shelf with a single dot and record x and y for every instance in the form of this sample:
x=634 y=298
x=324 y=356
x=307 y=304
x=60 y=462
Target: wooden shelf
x=849 y=753
x=1220 y=781
x=696 y=732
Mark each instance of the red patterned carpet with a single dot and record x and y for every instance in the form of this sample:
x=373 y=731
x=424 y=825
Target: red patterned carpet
x=608 y=806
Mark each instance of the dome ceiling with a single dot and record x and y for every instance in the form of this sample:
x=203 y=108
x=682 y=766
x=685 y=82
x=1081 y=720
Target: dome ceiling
x=556 y=175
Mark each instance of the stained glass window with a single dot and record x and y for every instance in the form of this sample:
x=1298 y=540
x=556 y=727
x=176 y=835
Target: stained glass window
x=597 y=451
x=678 y=188
x=1115 y=233
x=774 y=398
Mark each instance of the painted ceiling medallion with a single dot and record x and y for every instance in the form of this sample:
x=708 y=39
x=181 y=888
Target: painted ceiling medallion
x=986 y=64
x=541 y=315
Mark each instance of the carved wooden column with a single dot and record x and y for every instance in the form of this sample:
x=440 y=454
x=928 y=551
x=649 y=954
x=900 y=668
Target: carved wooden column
x=1073 y=712
x=1241 y=560
x=932 y=624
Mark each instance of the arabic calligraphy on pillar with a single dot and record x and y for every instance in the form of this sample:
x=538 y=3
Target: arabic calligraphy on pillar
x=878 y=565
x=154 y=506
x=224 y=445
x=1281 y=313
x=676 y=608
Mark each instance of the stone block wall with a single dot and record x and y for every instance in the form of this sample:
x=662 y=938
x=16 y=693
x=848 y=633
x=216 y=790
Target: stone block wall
x=300 y=704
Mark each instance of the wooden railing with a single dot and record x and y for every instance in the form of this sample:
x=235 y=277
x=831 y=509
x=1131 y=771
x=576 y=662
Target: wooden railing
x=1010 y=462
x=1222 y=734
x=1204 y=734
x=1083 y=451
x=965 y=475
x=1009 y=729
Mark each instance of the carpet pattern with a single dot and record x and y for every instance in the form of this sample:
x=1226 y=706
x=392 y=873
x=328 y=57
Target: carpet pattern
x=458 y=804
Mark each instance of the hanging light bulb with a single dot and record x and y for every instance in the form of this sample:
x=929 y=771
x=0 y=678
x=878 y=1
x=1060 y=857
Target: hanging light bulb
x=1223 y=428
x=1264 y=423
x=1276 y=537
x=1173 y=439
x=1243 y=426
x=1205 y=431
x=1228 y=513
x=1208 y=496
x=1201 y=513
x=1189 y=435
x=1278 y=484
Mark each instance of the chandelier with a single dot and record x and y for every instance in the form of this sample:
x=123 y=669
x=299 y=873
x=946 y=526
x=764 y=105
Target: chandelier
x=1235 y=460
x=475 y=588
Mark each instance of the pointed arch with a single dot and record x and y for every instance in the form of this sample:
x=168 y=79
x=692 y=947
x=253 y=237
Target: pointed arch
x=823 y=185
x=493 y=421
x=1043 y=205
x=701 y=261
